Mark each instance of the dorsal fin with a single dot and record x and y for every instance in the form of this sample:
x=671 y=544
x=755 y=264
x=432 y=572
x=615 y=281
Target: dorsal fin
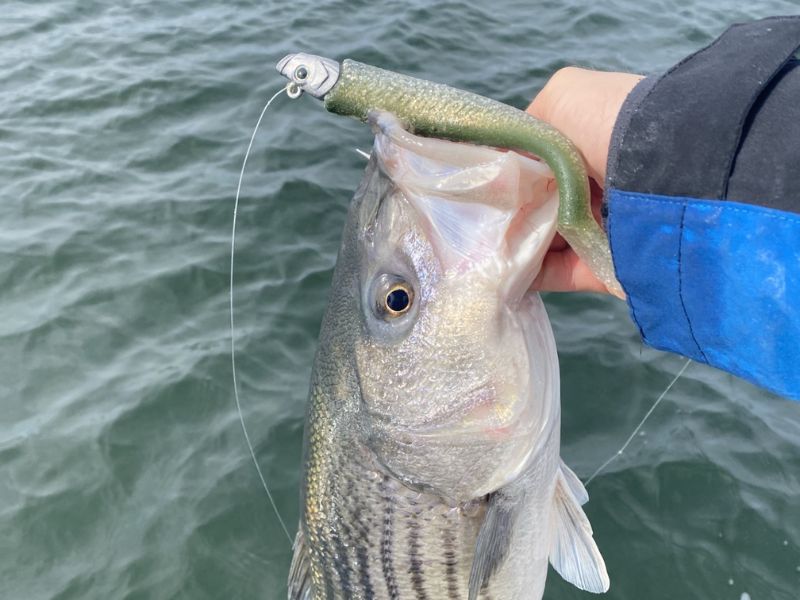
x=573 y=552
x=300 y=584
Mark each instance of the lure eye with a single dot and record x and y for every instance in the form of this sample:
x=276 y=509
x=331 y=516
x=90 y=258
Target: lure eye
x=301 y=73
x=394 y=297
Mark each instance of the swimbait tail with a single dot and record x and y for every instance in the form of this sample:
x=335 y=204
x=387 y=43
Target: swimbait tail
x=436 y=110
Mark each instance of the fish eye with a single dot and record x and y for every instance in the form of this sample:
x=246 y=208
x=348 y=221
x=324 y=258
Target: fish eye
x=301 y=73
x=393 y=297
x=398 y=300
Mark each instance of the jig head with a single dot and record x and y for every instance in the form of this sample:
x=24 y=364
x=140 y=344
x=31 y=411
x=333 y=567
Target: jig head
x=308 y=73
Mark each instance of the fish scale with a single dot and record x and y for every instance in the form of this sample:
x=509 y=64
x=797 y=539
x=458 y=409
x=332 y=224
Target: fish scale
x=388 y=541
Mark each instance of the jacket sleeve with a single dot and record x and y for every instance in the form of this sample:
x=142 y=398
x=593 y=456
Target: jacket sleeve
x=703 y=205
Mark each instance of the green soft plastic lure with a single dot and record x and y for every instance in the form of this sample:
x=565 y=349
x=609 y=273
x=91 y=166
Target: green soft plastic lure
x=436 y=110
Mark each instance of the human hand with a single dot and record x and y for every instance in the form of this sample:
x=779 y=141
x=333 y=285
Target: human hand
x=583 y=105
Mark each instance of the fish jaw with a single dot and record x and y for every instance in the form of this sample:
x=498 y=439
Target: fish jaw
x=486 y=440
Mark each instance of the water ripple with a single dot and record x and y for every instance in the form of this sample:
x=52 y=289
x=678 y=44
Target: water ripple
x=122 y=130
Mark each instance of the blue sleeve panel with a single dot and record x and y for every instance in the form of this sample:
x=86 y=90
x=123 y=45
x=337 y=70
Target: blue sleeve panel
x=717 y=281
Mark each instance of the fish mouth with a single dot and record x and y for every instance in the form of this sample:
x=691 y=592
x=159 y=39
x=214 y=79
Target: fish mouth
x=477 y=206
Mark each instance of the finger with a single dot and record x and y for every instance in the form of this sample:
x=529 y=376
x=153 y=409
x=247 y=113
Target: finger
x=584 y=105
x=565 y=272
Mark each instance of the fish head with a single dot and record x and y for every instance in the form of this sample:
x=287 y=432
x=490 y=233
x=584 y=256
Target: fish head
x=455 y=360
x=312 y=74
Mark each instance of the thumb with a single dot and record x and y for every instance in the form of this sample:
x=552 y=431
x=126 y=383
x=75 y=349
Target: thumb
x=584 y=106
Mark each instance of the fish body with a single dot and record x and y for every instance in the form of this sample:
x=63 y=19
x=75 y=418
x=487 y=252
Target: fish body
x=431 y=455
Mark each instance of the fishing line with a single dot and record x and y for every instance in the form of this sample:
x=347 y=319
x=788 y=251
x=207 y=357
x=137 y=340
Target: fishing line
x=233 y=337
x=639 y=426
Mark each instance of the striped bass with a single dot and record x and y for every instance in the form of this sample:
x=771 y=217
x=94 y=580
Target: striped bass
x=431 y=453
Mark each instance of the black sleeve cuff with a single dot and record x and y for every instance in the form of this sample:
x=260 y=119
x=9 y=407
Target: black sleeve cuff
x=724 y=123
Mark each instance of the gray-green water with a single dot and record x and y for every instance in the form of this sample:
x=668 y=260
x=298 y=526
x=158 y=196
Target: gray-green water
x=123 y=470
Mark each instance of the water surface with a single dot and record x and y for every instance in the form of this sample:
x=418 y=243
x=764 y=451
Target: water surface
x=124 y=469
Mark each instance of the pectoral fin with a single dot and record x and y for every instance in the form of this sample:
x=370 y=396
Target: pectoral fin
x=574 y=484
x=494 y=541
x=573 y=552
x=300 y=584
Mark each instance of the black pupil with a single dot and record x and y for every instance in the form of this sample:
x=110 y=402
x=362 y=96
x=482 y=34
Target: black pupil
x=301 y=73
x=397 y=300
